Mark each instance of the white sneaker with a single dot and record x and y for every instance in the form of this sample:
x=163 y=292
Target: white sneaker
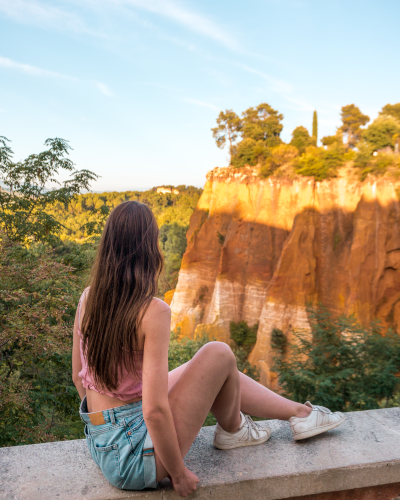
x=249 y=434
x=320 y=419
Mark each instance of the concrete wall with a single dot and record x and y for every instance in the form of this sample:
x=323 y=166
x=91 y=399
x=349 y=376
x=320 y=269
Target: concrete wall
x=359 y=460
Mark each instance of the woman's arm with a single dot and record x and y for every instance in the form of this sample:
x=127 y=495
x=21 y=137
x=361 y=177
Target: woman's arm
x=156 y=410
x=76 y=360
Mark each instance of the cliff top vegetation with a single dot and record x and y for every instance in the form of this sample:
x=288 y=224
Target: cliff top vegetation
x=254 y=139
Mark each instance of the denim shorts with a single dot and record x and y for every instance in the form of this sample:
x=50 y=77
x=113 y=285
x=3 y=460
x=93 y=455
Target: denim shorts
x=122 y=447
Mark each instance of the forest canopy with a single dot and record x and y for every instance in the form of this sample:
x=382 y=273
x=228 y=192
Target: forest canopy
x=254 y=139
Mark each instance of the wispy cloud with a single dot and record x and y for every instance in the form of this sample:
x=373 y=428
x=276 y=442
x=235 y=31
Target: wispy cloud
x=28 y=69
x=190 y=19
x=44 y=13
x=104 y=89
x=201 y=103
x=299 y=103
x=32 y=70
x=276 y=85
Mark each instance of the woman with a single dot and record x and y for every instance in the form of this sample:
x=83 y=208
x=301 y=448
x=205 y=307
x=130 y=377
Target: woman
x=140 y=419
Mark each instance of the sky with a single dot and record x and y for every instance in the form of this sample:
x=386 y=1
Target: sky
x=136 y=85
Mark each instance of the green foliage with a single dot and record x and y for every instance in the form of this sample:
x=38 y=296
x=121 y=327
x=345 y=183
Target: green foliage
x=221 y=238
x=167 y=208
x=46 y=251
x=243 y=335
x=315 y=127
x=380 y=134
x=37 y=307
x=301 y=139
x=182 y=350
x=352 y=120
x=281 y=155
x=278 y=340
x=392 y=110
x=25 y=198
x=173 y=244
x=319 y=162
x=243 y=154
x=254 y=140
x=333 y=140
x=378 y=165
x=228 y=127
x=257 y=131
x=341 y=364
x=262 y=123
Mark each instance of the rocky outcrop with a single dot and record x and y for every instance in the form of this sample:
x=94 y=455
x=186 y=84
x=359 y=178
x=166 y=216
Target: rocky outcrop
x=262 y=249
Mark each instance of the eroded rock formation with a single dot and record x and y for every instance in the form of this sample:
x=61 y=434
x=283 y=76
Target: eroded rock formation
x=262 y=249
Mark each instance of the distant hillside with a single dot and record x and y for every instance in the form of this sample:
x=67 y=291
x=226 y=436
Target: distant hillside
x=167 y=208
x=172 y=207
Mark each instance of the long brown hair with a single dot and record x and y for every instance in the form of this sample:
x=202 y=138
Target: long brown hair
x=123 y=282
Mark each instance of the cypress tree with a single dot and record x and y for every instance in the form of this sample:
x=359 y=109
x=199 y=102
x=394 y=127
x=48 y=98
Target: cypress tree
x=315 y=126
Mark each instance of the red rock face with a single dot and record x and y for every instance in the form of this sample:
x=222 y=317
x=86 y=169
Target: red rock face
x=261 y=250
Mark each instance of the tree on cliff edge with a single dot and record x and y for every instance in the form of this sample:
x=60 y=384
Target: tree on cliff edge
x=228 y=128
x=352 y=120
x=315 y=127
x=262 y=123
x=392 y=110
x=301 y=139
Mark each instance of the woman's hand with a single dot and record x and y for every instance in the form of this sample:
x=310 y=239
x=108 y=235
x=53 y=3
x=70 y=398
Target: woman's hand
x=185 y=483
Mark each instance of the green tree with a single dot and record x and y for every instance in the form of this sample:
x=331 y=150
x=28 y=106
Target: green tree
x=26 y=196
x=38 y=295
x=262 y=123
x=315 y=127
x=330 y=140
x=227 y=129
x=301 y=139
x=249 y=152
x=381 y=132
x=352 y=120
x=341 y=364
x=392 y=110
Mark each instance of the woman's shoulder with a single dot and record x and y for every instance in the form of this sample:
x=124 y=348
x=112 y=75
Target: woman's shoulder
x=158 y=306
x=157 y=314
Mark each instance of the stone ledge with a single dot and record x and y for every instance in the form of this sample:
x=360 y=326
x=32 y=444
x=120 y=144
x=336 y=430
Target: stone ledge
x=363 y=452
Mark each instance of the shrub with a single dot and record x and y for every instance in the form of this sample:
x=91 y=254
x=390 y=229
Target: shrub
x=378 y=165
x=279 y=156
x=341 y=364
x=321 y=163
x=243 y=335
x=278 y=340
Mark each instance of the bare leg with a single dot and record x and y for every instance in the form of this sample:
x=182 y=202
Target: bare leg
x=256 y=400
x=209 y=381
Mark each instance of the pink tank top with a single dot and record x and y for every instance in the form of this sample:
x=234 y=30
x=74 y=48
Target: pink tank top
x=129 y=386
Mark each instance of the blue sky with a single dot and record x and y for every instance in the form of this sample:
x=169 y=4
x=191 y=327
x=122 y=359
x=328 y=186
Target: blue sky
x=136 y=85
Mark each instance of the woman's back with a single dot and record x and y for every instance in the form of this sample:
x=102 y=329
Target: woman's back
x=130 y=385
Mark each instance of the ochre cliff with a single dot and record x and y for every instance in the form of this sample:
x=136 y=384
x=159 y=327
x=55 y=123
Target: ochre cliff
x=262 y=249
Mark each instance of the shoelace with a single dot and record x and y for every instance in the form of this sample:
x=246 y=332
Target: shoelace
x=252 y=425
x=322 y=408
